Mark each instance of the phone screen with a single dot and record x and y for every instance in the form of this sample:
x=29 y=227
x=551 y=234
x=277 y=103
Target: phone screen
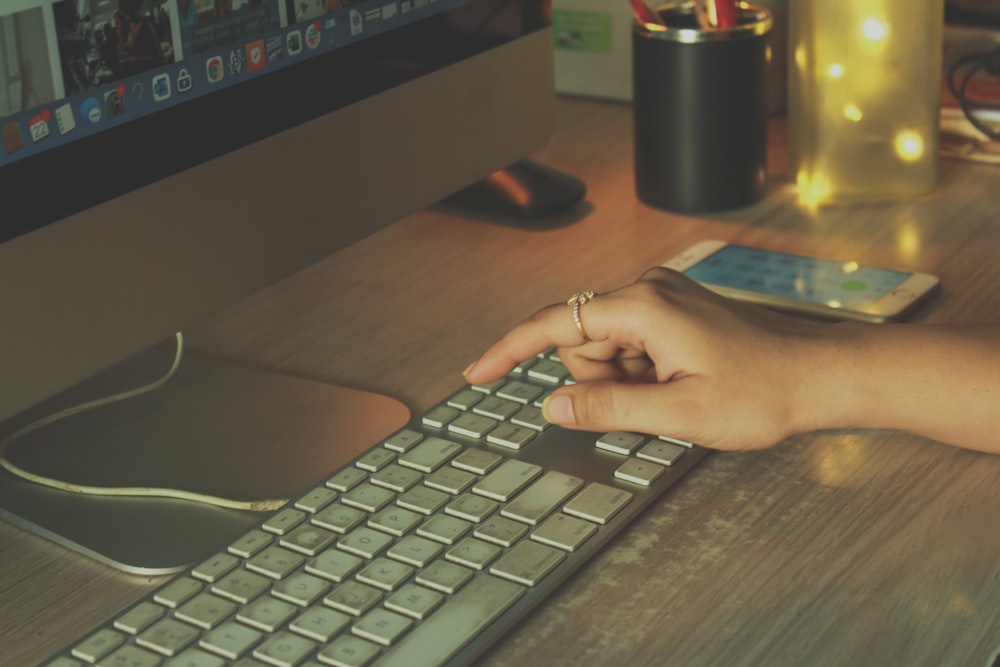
x=822 y=281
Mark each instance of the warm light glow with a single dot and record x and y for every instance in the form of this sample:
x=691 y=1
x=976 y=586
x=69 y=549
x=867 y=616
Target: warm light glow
x=833 y=303
x=814 y=189
x=909 y=145
x=874 y=30
x=909 y=241
x=849 y=267
x=836 y=70
x=852 y=112
x=800 y=57
x=837 y=461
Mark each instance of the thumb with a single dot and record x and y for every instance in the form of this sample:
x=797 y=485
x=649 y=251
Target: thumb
x=617 y=406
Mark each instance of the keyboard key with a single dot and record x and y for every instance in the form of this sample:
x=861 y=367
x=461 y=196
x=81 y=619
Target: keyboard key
x=677 y=441
x=206 y=611
x=192 y=658
x=267 y=613
x=241 y=586
x=396 y=478
x=339 y=518
x=620 y=442
x=451 y=480
x=347 y=479
x=353 y=597
x=284 y=650
x=216 y=566
x=542 y=497
x=471 y=507
x=430 y=455
x=520 y=392
x=440 y=416
x=368 y=497
x=497 y=408
x=348 y=652
x=132 y=656
x=472 y=426
x=564 y=532
x=230 y=640
x=465 y=399
x=139 y=617
x=98 y=645
x=334 y=564
x=385 y=574
x=415 y=551
x=478 y=461
x=168 y=637
x=473 y=553
x=320 y=624
x=490 y=387
x=549 y=371
x=316 y=499
x=639 y=472
x=375 y=459
x=500 y=531
x=445 y=577
x=664 y=453
x=527 y=563
x=177 y=592
x=283 y=522
x=404 y=440
x=382 y=626
x=251 y=543
x=275 y=562
x=510 y=436
x=507 y=480
x=445 y=529
x=395 y=520
x=308 y=540
x=598 y=503
x=457 y=622
x=414 y=601
x=530 y=417
x=365 y=542
x=424 y=500
x=301 y=589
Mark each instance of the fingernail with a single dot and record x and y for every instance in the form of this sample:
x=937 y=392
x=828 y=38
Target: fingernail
x=558 y=410
x=469 y=368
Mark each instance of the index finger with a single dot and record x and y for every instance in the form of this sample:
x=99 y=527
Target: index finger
x=553 y=326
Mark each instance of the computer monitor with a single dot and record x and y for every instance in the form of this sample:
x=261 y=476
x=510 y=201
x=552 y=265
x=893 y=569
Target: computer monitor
x=162 y=159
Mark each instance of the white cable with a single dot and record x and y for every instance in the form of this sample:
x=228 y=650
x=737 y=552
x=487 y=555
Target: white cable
x=5 y=443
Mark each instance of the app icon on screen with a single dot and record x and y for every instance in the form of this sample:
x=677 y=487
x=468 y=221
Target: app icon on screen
x=114 y=101
x=64 y=119
x=90 y=109
x=38 y=125
x=294 y=43
x=214 y=69
x=12 y=139
x=161 y=87
x=313 y=34
x=256 y=57
x=185 y=81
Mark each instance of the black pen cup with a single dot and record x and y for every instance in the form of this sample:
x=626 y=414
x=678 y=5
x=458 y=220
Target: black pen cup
x=700 y=110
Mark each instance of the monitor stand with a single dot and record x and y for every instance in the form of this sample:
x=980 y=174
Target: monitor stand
x=526 y=193
x=215 y=428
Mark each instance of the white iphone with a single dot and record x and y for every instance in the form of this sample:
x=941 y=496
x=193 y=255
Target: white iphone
x=820 y=287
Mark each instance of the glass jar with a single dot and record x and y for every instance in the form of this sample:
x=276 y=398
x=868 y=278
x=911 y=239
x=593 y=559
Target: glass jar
x=864 y=98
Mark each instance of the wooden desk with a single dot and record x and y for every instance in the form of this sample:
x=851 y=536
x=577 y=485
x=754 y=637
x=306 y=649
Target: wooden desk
x=856 y=548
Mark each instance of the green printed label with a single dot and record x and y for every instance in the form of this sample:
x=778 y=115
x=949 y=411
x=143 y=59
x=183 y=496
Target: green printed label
x=588 y=32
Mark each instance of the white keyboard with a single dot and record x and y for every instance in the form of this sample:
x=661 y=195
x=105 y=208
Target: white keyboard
x=422 y=551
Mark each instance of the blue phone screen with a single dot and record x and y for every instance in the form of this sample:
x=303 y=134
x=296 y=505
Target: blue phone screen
x=822 y=281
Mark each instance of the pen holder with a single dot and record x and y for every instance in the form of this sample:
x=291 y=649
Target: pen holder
x=700 y=110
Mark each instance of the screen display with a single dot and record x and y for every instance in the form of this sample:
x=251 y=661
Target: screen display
x=835 y=284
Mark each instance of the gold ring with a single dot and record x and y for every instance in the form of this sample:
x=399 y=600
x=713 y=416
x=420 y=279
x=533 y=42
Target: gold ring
x=575 y=302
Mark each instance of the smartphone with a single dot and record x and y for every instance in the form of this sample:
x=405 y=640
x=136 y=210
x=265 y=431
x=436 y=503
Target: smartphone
x=809 y=285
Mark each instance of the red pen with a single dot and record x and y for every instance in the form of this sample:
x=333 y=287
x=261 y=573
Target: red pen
x=646 y=15
x=722 y=13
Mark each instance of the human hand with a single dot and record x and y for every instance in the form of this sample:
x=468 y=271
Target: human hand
x=667 y=356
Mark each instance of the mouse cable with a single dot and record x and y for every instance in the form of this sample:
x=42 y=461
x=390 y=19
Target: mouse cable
x=141 y=491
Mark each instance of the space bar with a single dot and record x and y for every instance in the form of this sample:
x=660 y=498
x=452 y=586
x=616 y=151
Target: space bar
x=455 y=624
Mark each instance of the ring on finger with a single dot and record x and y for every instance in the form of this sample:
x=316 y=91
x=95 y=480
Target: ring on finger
x=576 y=302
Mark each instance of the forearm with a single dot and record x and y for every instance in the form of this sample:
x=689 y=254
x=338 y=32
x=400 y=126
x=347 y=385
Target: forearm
x=941 y=382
